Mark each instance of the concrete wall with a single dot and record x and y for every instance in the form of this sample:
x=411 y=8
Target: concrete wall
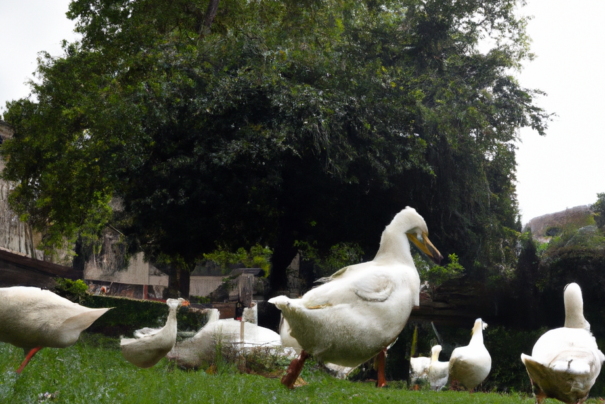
x=140 y=272
x=204 y=285
x=137 y=272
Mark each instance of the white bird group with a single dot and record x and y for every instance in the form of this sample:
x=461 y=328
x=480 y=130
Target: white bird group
x=356 y=314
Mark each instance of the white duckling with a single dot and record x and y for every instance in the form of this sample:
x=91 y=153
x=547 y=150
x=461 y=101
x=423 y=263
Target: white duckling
x=361 y=309
x=419 y=369
x=470 y=365
x=150 y=345
x=33 y=318
x=565 y=362
x=230 y=334
x=438 y=372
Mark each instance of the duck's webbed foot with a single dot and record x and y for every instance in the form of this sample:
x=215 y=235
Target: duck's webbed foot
x=294 y=370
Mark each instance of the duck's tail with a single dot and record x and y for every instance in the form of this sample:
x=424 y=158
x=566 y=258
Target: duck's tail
x=281 y=302
x=572 y=371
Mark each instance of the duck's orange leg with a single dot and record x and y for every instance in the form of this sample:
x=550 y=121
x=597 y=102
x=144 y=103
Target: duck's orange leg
x=28 y=358
x=381 y=361
x=294 y=370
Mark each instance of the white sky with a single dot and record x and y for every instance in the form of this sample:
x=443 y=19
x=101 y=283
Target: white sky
x=562 y=170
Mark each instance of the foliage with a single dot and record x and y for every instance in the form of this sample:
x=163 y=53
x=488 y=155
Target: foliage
x=576 y=254
x=200 y=299
x=128 y=315
x=505 y=347
x=76 y=291
x=599 y=210
x=337 y=257
x=281 y=123
x=257 y=257
x=437 y=274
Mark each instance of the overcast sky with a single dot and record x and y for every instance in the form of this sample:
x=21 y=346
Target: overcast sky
x=562 y=170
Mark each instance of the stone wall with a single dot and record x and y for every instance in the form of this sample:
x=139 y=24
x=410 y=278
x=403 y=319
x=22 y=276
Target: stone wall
x=14 y=234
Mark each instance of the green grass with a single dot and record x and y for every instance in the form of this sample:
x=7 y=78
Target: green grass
x=93 y=371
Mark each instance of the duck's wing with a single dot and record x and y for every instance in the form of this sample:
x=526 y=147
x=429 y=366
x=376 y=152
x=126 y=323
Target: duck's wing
x=348 y=270
x=335 y=275
x=461 y=363
x=146 y=332
x=374 y=288
x=367 y=286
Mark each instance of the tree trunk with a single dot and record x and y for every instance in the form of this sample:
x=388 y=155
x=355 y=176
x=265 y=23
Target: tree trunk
x=283 y=254
x=210 y=15
x=185 y=282
x=173 y=283
x=179 y=280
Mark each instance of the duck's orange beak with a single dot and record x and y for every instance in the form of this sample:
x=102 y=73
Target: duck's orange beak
x=426 y=247
x=186 y=303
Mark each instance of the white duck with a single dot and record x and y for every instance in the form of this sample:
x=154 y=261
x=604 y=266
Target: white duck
x=470 y=365
x=288 y=341
x=438 y=372
x=33 y=318
x=361 y=309
x=565 y=362
x=150 y=345
x=227 y=334
x=419 y=369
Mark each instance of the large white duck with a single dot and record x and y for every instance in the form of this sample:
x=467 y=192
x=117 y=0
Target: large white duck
x=32 y=318
x=438 y=372
x=150 y=345
x=565 y=362
x=361 y=309
x=229 y=334
x=470 y=365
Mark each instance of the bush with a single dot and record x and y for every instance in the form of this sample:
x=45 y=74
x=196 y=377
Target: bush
x=76 y=291
x=128 y=315
x=505 y=347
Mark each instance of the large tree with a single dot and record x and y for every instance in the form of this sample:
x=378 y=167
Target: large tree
x=274 y=122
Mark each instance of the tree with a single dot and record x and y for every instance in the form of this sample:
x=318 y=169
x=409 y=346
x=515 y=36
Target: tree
x=599 y=209
x=285 y=122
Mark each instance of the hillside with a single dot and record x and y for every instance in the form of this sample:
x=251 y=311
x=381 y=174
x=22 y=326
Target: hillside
x=576 y=217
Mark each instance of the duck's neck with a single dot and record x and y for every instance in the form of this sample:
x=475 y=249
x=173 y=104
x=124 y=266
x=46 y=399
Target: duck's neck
x=171 y=322
x=477 y=338
x=574 y=310
x=435 y=356
x=394 y=244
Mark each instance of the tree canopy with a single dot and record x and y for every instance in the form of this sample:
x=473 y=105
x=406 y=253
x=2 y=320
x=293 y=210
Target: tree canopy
x=234 y=123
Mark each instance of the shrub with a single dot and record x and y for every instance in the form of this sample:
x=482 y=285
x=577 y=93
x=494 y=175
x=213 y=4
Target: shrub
x=76 y=291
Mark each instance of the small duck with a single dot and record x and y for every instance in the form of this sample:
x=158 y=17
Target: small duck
x=470 y=365
x=438 y=372
x=419 y=369
x=566 y=361
x=150 y=345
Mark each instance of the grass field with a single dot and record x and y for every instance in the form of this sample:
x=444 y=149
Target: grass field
x=93 y=371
